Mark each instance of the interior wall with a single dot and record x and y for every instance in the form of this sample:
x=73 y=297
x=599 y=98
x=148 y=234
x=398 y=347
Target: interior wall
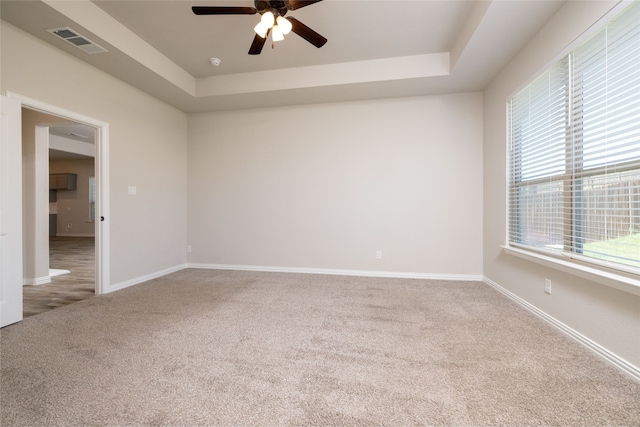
x=73 y=205
x=326 y=186
x=147 y=149
x=35 y=196
x=609 y=317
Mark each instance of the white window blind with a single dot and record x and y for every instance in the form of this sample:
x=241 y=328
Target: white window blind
x=538 y=143
x=575 y=152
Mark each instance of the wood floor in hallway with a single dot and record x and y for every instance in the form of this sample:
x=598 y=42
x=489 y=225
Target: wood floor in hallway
x=76 y=254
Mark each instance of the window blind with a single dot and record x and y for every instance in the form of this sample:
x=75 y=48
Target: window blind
x=574 y=171
x=606 y=131
x=538 y=138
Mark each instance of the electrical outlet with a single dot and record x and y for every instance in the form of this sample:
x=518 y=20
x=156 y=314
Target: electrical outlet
x=189 y=248
x=547 y=286
x=378 y=254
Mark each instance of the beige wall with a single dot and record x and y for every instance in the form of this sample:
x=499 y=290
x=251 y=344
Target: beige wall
x=73 y=205
x=147 y=148
x=609 y=317
x=326 y=186
x=35 y=195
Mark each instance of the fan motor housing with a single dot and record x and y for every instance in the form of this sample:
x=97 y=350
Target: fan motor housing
x=264 y=5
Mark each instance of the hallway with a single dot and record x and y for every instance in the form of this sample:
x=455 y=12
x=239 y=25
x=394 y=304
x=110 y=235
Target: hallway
x=76 y=254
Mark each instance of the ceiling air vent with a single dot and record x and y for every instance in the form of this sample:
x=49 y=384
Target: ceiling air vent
x=81 y=42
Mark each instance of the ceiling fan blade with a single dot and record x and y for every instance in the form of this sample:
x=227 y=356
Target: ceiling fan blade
x=306 y=33
x=297 y=4
x=258 y=44
x=224 y=10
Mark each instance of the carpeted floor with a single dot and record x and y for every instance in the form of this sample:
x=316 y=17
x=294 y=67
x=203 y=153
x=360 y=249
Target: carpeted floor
x=221 y=348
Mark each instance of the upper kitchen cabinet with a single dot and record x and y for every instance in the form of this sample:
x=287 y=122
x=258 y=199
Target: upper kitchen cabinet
x=63 y=181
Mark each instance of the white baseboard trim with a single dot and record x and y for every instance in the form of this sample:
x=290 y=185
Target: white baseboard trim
x=74 y=235
x=335 y=272
x=37 y=281
x=610 y=357
x=127 y=283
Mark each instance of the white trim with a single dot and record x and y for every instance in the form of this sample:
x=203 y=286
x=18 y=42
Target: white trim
x=102 y=177
x=145 y=278
x=102 y=227
x=335 y=272
x=74 y=235
x=43 y=280
x=43 y=107
x=607 y=278
x=54 y=272
x=610 y=357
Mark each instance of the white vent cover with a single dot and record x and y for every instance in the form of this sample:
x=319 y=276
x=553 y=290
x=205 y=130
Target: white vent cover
x=81 y=42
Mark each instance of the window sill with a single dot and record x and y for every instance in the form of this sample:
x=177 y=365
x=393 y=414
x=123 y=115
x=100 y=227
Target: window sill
x=608 y=278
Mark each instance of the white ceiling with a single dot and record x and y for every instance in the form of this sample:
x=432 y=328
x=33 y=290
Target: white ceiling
x=376 y=48
x=71 y=137
x=74 y=131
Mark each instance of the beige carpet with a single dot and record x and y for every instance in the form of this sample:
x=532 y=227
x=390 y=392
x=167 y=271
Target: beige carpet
x=219 y=348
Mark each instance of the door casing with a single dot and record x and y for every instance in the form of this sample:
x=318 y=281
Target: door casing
x=102 y=180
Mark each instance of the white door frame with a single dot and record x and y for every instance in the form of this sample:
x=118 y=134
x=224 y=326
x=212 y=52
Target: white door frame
x=102 y=180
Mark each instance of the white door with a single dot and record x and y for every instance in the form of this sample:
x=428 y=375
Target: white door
x=10 y=211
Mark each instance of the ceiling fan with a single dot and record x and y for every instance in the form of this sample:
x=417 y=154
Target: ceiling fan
x=272 y=21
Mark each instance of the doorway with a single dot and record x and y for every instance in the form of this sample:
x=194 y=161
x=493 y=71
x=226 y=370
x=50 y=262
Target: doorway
x=34 y=224
x=67 y=275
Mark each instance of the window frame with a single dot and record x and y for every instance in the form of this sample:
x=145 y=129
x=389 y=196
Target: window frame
x=619 y=276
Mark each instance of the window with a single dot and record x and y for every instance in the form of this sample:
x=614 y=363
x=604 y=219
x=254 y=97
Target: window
x=574 y=151
x=92 y=199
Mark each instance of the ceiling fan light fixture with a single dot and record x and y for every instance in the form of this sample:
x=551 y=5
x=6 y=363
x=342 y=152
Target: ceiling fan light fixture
x=284 y=25
x=261 y=29
x=272 y=21
x=276 y=33
x=268 y=19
